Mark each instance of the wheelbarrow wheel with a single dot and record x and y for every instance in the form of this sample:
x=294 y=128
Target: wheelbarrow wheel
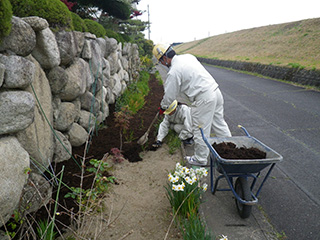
x=242 y=188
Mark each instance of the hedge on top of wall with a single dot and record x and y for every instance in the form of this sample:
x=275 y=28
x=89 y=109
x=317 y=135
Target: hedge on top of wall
x=95 y=28
x=54 y=11
x=5 y=18
x=78 y=23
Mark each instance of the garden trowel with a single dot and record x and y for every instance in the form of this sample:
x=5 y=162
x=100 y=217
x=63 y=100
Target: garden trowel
x=144 y=138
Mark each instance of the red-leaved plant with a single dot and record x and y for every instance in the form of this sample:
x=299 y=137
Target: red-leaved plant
x=122 y=120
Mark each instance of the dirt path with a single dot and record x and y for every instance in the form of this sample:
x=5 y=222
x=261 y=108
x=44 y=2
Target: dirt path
x=138 y=202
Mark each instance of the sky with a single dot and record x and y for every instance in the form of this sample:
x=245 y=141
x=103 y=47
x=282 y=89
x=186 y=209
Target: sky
x=189 y=20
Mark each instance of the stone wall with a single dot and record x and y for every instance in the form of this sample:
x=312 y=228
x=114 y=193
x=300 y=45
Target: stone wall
x=302 y=76
x=54 y=88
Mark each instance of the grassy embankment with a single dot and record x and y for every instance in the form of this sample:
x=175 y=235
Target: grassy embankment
x=287 y=44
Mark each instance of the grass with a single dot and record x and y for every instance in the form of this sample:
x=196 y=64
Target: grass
x=293 y=42
x=134 y=95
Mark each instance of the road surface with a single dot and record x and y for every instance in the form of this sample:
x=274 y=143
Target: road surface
x=287 y=119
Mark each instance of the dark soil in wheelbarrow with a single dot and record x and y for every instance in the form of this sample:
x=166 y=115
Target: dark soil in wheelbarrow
x=229 y=150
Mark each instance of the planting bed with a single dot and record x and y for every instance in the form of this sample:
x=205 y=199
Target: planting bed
x=109 y=137
x=102 y=142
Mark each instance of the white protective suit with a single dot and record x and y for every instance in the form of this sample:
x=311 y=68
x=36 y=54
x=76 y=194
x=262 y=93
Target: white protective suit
x=179 y=121
x=187 y=78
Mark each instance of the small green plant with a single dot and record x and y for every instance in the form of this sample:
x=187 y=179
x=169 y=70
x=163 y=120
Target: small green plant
x=100 y=186
x=296 y=65
x=158 y=77
x=45 y=230
x=184 y=189
x=173 y=141
x=13 y=225
x=146 y=63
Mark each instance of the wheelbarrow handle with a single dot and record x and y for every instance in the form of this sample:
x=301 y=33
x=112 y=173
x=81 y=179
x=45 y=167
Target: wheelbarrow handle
x=245 y=130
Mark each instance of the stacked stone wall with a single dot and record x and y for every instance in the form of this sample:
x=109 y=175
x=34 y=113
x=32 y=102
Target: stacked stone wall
x=54 y=89
x=298 y=75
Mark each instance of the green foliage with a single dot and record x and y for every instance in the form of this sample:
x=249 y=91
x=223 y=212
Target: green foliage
x=118 y=36
x=146 y=63
x=173 y=141
x=98 y=167
x=13 y=225
x=54 y=11
x=194 y=227
x=5 y=18
x=95 y=28
x=158 y=77
x=296 y=65
x=184 y=190
x=115 y=8
x=133 y=96
x=145 y=46
x=45 y=230
x=78 y=23
x=184 y=193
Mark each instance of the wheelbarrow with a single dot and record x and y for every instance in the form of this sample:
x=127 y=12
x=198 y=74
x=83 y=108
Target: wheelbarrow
x=240 y=170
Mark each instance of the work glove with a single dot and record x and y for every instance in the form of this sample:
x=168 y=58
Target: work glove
x=157 y=144
x=161 y=110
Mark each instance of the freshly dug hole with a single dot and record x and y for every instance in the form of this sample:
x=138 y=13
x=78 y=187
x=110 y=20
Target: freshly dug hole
x=228 y=150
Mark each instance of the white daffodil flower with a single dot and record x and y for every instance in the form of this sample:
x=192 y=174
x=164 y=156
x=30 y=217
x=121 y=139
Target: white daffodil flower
x=204 y=187
x=222 y=237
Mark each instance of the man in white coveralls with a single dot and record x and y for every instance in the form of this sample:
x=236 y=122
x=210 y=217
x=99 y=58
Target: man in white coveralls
x=187 y=78
x=177 y=117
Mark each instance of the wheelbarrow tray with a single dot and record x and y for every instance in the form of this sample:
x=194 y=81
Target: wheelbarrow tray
x=243 y=165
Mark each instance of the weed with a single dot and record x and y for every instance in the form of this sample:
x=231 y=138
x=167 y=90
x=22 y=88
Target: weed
x=173 y=141
x=101 y=183
x=45 y=230
x=296 y=65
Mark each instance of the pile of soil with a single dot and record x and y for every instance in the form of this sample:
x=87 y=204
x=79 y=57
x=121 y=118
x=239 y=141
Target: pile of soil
x=229 y=150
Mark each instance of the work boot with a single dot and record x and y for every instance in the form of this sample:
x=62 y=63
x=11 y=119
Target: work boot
x=157 y=144
x=193 y=161
x=188 y=141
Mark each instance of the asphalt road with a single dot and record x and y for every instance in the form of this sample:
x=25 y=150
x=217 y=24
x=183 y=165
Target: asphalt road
x=287 y=119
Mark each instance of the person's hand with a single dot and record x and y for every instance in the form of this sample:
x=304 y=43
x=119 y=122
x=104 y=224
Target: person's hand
x=161 y=110
x=156 y=144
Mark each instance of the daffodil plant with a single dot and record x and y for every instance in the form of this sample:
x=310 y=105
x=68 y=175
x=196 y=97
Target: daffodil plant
x=184 y=189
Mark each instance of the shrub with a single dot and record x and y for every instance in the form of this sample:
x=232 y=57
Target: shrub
x=54 y=11
x=5 y=18
x=78 y=23
x=95 y=28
